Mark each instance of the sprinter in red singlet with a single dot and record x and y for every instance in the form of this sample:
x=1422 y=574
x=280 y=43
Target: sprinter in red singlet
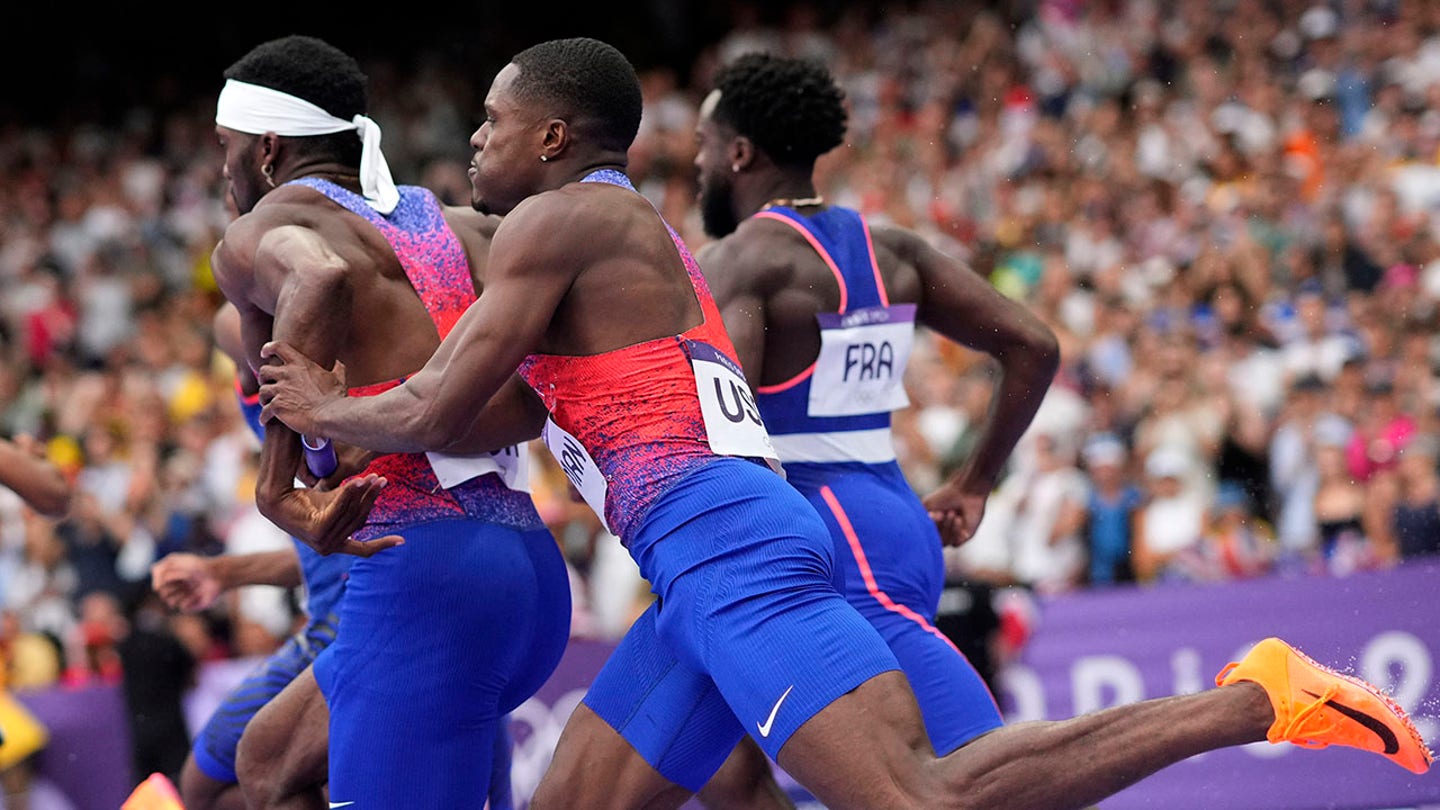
x=600 y=307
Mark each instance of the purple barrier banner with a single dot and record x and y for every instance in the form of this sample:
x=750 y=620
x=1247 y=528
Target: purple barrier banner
x=87 y=762
x=1104 y=648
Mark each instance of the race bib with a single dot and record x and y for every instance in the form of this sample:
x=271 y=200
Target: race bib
x=732 y=419
x=511 y=463
x=579 y=467
x=861 y=367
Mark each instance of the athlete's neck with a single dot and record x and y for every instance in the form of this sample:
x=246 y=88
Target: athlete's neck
x=777 y=188
x=581 y=169
x=336 y=172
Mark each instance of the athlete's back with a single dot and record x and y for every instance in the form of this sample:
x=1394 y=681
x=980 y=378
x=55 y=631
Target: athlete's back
x=385 y=332
x=804 y=283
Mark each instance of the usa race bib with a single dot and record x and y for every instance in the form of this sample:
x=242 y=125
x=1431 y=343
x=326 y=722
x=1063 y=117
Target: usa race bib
x=579 y=467
x=861 y=366
x=732 y=419
x=511 y=463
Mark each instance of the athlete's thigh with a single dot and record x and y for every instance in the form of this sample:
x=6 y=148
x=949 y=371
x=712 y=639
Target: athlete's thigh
x=659 y=710
x=438 y=638
x=890 y=551
x=286 y=744
x=214 y=748
x=866 y=749
x=595 y=768
x=954 y=700
x=745 y=576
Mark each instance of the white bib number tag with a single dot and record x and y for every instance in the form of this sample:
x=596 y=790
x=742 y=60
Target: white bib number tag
x=861 y=367
x=579 y=467
x=511 y=463
x=732 y=419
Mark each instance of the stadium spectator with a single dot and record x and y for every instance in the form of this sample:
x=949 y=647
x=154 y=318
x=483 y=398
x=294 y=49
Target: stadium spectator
x=1110 y=511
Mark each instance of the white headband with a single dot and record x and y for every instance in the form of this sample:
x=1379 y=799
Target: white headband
x=255 y=110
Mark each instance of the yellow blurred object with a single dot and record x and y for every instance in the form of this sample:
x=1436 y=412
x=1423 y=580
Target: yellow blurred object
x=64 y=452
x=155 y=793
x=202 y=274
x=191 y=397
x=34 y=663
x=24 y=734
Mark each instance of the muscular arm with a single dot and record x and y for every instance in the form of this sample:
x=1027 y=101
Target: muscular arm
x=192 y=582
x=280 y=568
x=533 y=260
x=38 y=482
x=962 y=306
x=514 y=415
x=226 y=328
x=312 y=297
x=311 y=312
x=959 y=304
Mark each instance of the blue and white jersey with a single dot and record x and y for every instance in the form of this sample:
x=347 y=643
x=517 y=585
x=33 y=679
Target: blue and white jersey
x=837 y=411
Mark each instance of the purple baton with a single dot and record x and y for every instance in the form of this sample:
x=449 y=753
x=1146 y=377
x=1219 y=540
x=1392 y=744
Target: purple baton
x=319 y=456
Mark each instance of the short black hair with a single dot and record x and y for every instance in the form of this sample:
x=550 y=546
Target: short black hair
x=592 y=83
x=316 y=71
x=791 y=108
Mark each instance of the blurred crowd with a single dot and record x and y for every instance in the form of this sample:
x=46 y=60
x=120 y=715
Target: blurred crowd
x=1228 y=211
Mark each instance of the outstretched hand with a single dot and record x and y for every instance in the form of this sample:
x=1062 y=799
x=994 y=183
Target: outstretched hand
x=957 y=511
x=339 y=513
x=185 y=582
x=295 y=389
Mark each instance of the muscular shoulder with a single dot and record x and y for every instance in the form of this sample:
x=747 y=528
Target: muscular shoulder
x=572 y=223
x=910 y=264
x=233 y=259
x=904 y=244
x=264 y=248
x=280 y=209
x=759 y=256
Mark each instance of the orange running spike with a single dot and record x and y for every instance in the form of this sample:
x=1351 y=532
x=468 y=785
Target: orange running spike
x=155 y=793
x=1316 y=706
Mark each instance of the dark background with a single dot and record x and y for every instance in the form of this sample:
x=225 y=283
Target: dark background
x=65 y=62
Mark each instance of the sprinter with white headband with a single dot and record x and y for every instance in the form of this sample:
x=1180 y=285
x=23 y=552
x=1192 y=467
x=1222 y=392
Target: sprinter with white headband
x=257 y=110
x=441 y=636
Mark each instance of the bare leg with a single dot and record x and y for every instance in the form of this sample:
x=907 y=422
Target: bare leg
x=745 y=782
x=868 y=750
x=283 y=757
x=1108 y=750
x=589 y=748
x=200 y=792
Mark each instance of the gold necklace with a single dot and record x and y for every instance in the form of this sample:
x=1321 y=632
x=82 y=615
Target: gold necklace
x=798 y=202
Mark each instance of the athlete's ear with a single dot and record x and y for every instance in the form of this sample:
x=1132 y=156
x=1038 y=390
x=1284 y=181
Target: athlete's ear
x=556 y=137
x=741 y=152
x=268 y=148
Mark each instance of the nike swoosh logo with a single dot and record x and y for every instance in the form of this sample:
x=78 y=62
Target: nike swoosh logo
x=334 y=805
x=1387 y=737
x=770 y=721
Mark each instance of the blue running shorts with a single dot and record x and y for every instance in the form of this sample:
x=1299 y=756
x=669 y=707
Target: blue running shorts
x=439 y=639
x=749 y=633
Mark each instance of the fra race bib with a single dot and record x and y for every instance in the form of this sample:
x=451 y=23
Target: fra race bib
x=861 y=367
